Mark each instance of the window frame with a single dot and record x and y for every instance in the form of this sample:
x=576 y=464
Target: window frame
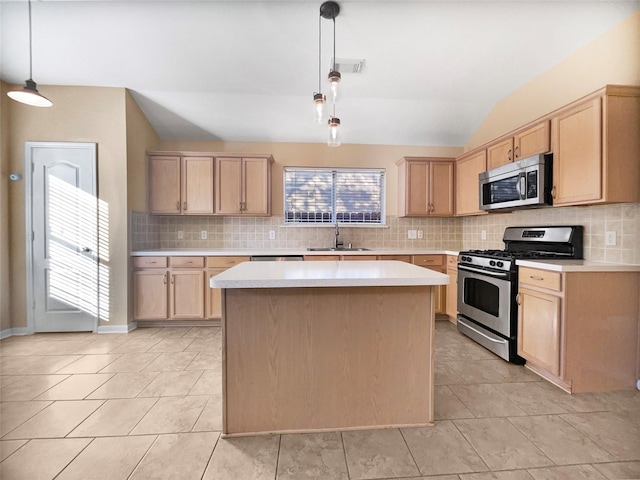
x=335 y=172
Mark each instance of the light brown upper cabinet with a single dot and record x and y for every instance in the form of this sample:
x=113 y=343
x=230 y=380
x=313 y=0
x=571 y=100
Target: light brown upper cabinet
x=425 y=187
x=468 y=167
x=524 y=143
x=243 y=185
x=180 y=185
x=596 y=149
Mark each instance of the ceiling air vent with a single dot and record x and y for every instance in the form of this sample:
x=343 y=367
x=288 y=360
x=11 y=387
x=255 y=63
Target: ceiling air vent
x=349 y=65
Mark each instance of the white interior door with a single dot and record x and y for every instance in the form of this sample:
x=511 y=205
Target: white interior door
x=64 y=225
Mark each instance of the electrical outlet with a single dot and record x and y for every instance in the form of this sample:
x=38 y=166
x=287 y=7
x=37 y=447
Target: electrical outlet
x=610 y=237
x=203 y=234
x=420 y=234
x=412 y=234
x=483 y=234
x=180 y=235
x=272 y=234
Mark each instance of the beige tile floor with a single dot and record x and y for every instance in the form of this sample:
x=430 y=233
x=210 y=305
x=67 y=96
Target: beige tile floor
x=147 y=405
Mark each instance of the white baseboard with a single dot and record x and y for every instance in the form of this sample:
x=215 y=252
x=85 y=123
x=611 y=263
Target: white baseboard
x=117 y=328
x=10 y=332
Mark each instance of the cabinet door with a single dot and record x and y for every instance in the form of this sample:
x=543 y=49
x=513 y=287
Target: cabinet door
x=164 y=185
x=452 y=294
x=197 y=185
x=186 y=294
x=539 y=329
x=150 y=294
x=441 y=188
x=213 y=295
x=417 y=197
x=228 y=185
x=500 y=154
x=577 y=156
x=256 y=191
x=467 y=189
x=532 y=141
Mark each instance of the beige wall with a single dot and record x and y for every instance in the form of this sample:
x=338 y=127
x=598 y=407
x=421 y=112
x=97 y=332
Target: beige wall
x=5 y=285
x=318 y=154
x=79 y=114
x=141 y=137
x=613 y=58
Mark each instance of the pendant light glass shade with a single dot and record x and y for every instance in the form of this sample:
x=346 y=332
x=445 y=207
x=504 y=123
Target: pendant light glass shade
x=29 y=95
x=319 y=112
x=334 y=132
x=334 y=82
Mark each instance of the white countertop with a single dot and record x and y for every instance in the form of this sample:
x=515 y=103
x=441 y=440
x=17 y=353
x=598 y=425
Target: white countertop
x=577 y=266
x=361 y=273
x=220 y=252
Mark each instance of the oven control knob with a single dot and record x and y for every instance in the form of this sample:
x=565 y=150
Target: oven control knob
x=500 y=264
x=492 y=263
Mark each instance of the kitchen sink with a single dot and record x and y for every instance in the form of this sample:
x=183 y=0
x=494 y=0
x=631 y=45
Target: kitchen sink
x=338 y=249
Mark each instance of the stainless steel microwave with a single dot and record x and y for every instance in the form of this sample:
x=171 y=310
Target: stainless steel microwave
x=525 y=183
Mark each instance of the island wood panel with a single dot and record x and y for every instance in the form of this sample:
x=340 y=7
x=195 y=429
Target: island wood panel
x=310 y=359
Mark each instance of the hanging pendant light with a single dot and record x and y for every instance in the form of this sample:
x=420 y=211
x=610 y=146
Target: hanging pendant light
x=319 y=99
x=330 y=10
x=29 y=94
x=334 y=132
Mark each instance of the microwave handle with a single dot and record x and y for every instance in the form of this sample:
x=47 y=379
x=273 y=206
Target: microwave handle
x=521 y=186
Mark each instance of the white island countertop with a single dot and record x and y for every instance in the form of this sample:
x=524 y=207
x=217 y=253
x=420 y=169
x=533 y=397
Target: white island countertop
x=584 y=266
x=381 y=273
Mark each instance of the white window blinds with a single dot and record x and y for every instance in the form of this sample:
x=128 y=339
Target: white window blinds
x=333 y=195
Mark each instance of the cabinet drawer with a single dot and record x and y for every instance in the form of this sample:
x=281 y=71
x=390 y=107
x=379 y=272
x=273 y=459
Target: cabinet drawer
x=149 y=262
x=225 y=262
x=428 y=260
x=540 y=278
x=186 y=262
x=399 y=258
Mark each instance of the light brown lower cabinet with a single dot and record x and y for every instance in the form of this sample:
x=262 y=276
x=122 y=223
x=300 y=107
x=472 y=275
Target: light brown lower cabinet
x=168 y=288
x=436 y=263
x=213 y=297
x=579 y=330
x=451 y=304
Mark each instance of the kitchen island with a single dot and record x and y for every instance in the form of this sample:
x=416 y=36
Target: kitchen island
x=313 y=346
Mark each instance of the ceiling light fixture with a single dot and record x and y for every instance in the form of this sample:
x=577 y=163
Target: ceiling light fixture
x=29 y=93
x=330 y=11
x=319 y=99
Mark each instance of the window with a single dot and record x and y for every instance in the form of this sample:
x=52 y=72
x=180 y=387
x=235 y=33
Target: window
x=333 y=195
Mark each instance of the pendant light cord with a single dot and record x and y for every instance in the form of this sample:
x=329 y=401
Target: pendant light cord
x=334 y=43
x=319 y=53
x=30 y=41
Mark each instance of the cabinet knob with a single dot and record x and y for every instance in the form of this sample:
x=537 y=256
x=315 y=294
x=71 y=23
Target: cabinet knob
x=509 y=155
x=184 y=206
x=518 y=299
x=536 y=277
x=515 y=151
x=164 y=278
x=178 y=205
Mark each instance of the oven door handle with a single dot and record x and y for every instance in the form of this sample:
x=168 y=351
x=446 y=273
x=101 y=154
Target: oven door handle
x=482 y=334
x=483 y=272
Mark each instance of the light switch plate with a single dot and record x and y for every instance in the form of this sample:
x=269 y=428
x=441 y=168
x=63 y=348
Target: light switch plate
x=420 y=235
x=272 y=234
x=610 y=238
x=412 y=234
x=180 y=235
x=203 y=234
x=483 y=234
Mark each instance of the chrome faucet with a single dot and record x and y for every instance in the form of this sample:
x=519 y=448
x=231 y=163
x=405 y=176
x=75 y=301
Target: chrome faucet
x=337 y=241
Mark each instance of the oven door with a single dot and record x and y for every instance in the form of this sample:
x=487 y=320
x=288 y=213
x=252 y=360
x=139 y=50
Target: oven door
x=486 y=298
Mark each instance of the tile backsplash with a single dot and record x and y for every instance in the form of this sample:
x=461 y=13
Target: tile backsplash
x=161 y=232
x=153 y=232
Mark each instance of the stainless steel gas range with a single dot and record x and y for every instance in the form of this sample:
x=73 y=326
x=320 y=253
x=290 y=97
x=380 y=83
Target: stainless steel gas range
x=488 y=283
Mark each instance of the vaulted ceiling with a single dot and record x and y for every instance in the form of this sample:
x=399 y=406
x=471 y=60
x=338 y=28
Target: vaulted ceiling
x=247 y=70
